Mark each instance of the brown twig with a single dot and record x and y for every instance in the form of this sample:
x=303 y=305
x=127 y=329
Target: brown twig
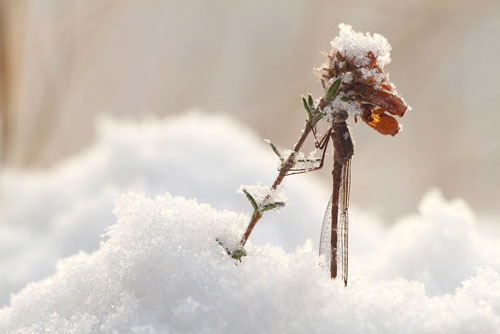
x=285 y=167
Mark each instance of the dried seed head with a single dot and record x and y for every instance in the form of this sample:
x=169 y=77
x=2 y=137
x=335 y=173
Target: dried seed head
x=366 y=91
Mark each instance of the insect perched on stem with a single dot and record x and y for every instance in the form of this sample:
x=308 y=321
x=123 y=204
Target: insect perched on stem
x=354 y=84
x=334 y=232
x=365 y=91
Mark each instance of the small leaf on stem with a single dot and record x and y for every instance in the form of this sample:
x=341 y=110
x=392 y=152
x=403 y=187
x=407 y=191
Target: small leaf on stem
x=250 y=199
x=317 y=117
x=306 y=107
x=332 y=91
x=275 y=150
x=309 y=160
x=311 y=102
x=271 y=206
x=225 y=248
x=238 y=253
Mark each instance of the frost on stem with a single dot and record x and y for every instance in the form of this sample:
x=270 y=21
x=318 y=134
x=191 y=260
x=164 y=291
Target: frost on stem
x=358 y=60
x=302 y=161
x=263 y=197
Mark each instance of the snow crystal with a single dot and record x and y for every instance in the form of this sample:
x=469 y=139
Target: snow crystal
x=347 y=77
x=161 y=271
x=355 y=45
x=351 y=107
x=371 y=73
x=265 y=195
x=303 y=162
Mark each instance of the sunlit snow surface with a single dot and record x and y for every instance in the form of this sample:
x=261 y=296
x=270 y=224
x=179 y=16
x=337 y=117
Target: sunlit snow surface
x=160 y=270
x=48 y=215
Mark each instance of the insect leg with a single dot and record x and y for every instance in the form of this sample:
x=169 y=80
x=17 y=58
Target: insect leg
x=324 y=140
x=324 y=147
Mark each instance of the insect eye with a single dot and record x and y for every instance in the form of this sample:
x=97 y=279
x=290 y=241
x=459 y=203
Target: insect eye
x=341 y=116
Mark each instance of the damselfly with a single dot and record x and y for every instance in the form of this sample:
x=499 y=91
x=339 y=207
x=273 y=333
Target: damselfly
x=354 y=83
x=334 y=232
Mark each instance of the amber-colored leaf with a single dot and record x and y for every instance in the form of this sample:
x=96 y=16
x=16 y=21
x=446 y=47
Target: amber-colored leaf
x=383 y=123
x=390 y=102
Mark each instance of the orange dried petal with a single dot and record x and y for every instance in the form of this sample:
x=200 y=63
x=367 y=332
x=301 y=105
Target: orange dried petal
x=383 y=123
x=395 y=104
x=386 y=100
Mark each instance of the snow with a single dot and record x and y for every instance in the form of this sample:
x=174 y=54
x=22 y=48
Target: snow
x=352 y=108
x=265 y=195
x=303 y=162
x=48 y=215
x=159 y=269
x=439 y=246
x=357 y=60
x=355 y=45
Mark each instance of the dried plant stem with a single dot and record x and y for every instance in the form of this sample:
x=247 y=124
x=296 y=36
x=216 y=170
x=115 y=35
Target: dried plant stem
x=315 y=114
x=285 y=168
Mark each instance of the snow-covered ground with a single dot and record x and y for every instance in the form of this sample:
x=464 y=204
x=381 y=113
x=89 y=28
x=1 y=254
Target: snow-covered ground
x=48 y=215
x=158 y=268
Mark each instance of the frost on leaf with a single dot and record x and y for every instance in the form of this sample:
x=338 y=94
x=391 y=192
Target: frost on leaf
x=358 y=60
x=302 y=161
x=263 y=197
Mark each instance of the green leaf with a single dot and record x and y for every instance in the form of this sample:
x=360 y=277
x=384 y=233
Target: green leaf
x=309 y=160
x=272 y=206
x=238 y=253
x=347 y=99
x=311 y=102
x=275 y=150
x=235 y=254
x=323 y=84
x=317 y=118
x=332 y=91
x=306 y=107
x=251 y=199
x=225 y=248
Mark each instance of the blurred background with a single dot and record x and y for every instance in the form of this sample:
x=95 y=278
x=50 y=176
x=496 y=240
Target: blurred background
x=62 y=63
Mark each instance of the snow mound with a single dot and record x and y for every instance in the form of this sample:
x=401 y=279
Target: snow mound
x=161 y=271
x=439 y=246
x=46 y=215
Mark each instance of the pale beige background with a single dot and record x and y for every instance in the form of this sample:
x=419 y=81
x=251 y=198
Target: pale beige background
x=63 y=62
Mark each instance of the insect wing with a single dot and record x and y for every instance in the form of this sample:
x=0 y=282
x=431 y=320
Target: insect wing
x=324 y=240
x=343 y=221
x=325 y=249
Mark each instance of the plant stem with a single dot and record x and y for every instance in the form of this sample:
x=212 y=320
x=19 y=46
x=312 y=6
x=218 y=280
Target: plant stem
x=285 y=168
x=290 y=161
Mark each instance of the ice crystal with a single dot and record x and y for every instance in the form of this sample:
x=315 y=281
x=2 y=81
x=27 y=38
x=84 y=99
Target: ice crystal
x=265 y=195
